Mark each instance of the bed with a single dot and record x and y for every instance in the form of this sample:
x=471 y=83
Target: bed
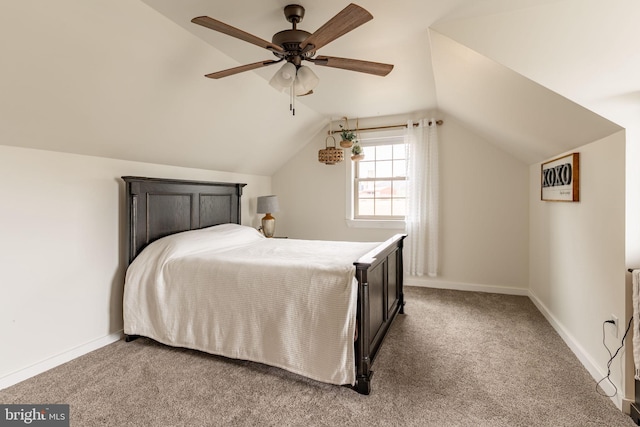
x=191 y=233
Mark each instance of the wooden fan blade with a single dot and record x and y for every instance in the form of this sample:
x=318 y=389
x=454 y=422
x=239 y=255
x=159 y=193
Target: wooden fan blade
x=350 y=18
x=376 y=68
x=240 y=69
x=221 y=27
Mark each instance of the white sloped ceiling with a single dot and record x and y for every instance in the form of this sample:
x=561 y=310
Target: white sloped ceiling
x=125 y=79
x=515 y=113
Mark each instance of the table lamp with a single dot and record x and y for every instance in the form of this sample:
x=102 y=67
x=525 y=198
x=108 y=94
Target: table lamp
x=266 y=205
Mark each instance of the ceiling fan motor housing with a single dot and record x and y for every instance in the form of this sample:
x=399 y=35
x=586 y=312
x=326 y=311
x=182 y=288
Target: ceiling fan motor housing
x=290 y=40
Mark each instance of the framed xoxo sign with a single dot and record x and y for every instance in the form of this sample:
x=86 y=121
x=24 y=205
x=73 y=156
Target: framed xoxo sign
x=560 y=179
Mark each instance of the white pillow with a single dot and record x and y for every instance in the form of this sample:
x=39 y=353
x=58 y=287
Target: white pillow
x=215 y=238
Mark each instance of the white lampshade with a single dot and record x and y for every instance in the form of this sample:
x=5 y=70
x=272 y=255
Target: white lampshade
x=266 y=205
x=306 y=81
x=284 y=77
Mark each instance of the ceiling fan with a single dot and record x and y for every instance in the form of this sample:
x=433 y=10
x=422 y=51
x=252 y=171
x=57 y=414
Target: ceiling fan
x=294 y=46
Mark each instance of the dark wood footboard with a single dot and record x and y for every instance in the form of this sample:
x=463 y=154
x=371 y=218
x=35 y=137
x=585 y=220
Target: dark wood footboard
x=380 y=299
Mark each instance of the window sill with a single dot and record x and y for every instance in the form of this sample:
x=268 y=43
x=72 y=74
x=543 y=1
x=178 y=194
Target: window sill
x=371 y=223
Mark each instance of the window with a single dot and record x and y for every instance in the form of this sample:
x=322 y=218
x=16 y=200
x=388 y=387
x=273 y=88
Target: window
x=380 y=179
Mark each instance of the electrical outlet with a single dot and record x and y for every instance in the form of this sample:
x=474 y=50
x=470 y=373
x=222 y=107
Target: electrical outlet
x=614 y=326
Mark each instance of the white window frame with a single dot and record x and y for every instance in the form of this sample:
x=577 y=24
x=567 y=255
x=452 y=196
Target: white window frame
x=373 y=138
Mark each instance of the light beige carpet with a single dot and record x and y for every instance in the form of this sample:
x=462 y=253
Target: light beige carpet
x=454 y=359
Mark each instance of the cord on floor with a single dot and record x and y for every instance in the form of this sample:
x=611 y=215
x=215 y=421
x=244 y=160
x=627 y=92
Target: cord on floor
x=611 y=357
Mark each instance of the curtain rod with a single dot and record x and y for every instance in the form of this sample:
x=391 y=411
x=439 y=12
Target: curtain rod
x=438 y=122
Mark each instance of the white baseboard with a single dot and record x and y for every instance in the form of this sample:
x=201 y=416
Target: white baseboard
x=58 y=360
x=580 y=353
x=459 y=286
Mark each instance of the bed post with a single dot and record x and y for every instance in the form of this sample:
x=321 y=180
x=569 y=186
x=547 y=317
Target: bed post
x=363 y=361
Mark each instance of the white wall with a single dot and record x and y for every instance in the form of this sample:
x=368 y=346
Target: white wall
x=485 y=219
x=632 y=230
x=62 y=251
x=484 y=209
x=577 y=255
x=312 y=195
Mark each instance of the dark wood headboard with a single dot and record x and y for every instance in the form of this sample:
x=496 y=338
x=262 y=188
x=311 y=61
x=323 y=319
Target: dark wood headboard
x=159 y=207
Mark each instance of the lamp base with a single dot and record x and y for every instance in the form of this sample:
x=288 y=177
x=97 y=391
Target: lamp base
x=268 y=225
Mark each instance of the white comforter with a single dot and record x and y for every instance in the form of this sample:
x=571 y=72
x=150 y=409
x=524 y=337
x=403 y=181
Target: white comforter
x=227 y=290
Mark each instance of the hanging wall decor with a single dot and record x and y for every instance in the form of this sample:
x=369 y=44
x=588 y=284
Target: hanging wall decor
x=330 y=155
x=560 y=179
x=357 y=153
x=348 y=136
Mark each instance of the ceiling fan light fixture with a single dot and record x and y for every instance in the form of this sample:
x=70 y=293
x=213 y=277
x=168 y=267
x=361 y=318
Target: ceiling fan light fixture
x=306 y=81
x=299 y=90
x=284 y=78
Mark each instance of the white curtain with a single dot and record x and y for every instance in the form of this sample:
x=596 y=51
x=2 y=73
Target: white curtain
x=422 y=198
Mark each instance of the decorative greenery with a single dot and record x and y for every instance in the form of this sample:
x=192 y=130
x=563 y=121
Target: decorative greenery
x=356 y=149
x=347 y=135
